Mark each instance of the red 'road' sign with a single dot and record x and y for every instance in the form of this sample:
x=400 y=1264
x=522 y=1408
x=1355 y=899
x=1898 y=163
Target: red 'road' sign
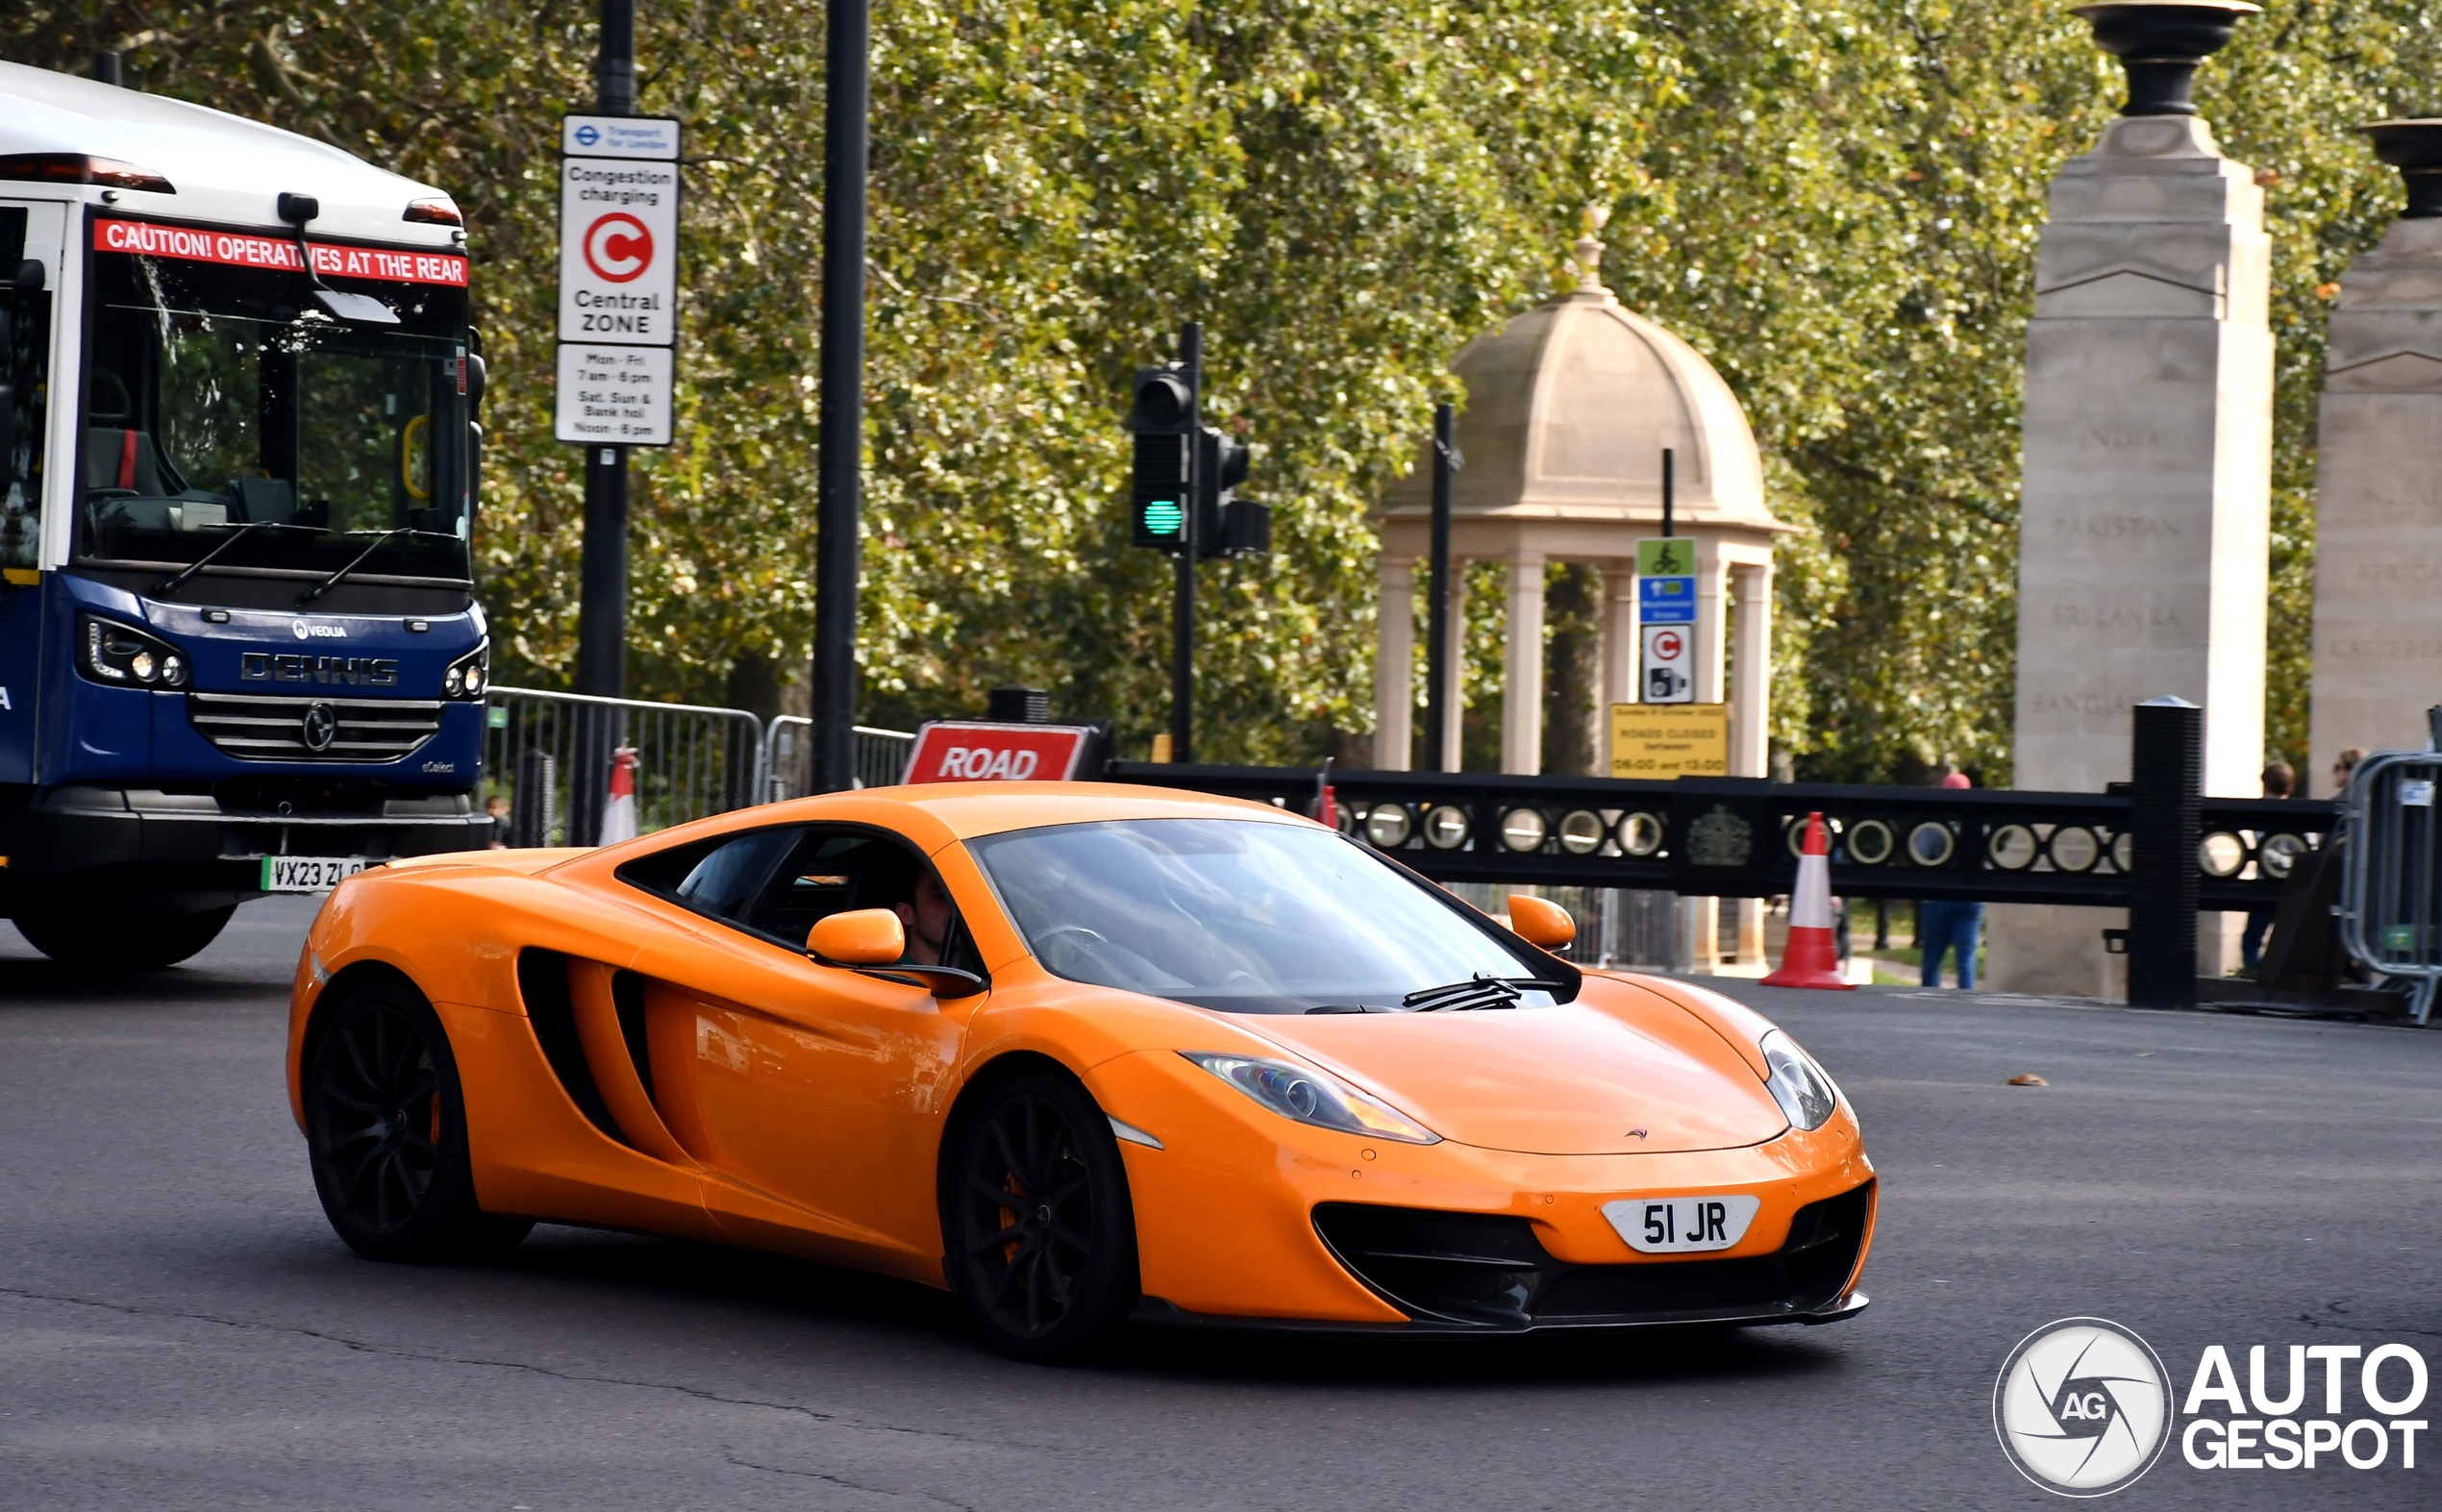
x=980 y=753
x=1666 y=645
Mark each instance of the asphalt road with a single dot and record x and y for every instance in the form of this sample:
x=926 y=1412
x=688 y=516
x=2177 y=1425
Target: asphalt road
x=177 y=1327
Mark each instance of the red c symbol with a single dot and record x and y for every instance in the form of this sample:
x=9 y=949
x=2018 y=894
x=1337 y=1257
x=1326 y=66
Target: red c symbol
x=1666 y=645
x=618 y=248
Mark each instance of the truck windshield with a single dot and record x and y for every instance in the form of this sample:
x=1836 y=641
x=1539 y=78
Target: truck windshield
x=220 y=396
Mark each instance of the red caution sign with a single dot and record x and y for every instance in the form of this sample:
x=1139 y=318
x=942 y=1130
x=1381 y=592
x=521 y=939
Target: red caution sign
x=948 y=751
x=239 y=249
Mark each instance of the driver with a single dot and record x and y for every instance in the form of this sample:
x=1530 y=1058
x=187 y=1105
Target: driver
x=926 y=918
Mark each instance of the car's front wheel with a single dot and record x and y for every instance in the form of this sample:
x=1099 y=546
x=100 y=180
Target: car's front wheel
x=385 y=1123
x=1041 y=1236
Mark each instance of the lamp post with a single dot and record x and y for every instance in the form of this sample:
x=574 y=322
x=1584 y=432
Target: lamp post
x=602 y=574
x=840 y=484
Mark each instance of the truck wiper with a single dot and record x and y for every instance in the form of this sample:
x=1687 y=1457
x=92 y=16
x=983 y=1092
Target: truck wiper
x=1482 y=990
x=169 y=584
x=378 y=541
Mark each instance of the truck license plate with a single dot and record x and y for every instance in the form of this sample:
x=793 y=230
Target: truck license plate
x=307 y=874
x=1681 y=1224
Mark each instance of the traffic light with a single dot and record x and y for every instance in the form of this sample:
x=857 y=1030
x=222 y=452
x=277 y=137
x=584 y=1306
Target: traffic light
x=1226 y=526
x=1164 y=419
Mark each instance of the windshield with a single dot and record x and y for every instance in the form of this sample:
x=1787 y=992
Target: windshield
x=1243 y=917
x=220 y=396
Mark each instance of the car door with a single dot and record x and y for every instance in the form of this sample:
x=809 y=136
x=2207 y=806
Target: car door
x=813 y=1094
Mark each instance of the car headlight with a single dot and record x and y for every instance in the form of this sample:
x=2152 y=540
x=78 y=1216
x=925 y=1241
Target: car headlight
x=120 y=656
x=1310 y=1096
x=1798 y=1084
x=469 y=675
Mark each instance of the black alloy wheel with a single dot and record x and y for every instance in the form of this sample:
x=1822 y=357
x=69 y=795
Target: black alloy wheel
x=104 y=938
x=385 y=1123
x=1042 y=1237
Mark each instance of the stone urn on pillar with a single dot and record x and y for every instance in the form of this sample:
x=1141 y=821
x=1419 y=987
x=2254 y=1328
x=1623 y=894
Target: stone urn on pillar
x=2160 y=42
x=2145 y=509
x=2378 y=645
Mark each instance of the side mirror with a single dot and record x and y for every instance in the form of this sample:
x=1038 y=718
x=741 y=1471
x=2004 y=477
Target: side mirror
x=1539 y=921
x=858 y=937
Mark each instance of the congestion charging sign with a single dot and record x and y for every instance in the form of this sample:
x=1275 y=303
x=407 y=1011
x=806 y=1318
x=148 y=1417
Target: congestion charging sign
x=619 y=278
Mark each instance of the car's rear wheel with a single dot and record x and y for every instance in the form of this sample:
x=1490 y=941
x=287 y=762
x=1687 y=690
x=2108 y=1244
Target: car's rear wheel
x=385 y=1123
x=100 y=938
x=1041 y=1236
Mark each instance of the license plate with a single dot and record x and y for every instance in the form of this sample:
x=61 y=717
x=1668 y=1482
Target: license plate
x=307 y=874
x=1681 y=1224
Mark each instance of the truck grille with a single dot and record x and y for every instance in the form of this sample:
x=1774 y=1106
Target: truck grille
x=254 y=728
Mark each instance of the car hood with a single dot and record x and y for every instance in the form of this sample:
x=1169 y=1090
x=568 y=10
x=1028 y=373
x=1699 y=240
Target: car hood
x=1617 y=1072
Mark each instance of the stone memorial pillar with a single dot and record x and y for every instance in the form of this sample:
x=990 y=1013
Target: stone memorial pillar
x=2377 y=490
x=2147 y=459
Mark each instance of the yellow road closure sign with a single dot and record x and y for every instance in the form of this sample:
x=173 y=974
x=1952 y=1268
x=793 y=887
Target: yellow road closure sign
x=1669 y=741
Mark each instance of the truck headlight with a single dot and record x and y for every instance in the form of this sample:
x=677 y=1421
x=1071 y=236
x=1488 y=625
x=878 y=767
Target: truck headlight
x=1310 y=1096
x=119 y=656
x=1799 y=1087
x=470 y=676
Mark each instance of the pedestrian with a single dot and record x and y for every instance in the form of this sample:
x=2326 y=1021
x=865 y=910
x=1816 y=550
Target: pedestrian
x=497 y=806
x=1948 y=927
x=2280 y=781
x=2343 y=767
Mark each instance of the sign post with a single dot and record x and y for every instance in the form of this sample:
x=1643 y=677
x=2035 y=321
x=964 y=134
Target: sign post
x=1666 y=733
x=618 y=279
x=1666 y=619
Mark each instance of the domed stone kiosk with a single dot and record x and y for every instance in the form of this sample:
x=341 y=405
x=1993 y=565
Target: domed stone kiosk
x=1569 y=409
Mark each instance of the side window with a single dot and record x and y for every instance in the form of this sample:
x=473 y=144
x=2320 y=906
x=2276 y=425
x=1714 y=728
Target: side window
x=25 y=346
x=718 y=877
x=779 y=883
x=835 y=870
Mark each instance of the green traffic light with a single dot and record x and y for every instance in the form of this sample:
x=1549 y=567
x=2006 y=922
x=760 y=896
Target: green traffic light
x=1163 y=517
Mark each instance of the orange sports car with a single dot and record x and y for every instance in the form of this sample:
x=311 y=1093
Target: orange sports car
x=1080 y=1054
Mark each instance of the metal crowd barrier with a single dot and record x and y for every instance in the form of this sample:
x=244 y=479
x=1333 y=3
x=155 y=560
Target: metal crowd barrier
x=2391 y=876
x=692 y=761
x=880 y=756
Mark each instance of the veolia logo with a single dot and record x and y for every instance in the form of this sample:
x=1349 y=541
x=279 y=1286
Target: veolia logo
x=2083 y=1408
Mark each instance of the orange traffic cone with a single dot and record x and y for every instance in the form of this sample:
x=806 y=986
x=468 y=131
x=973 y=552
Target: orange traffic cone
x=1813 y=960
x=618 y=816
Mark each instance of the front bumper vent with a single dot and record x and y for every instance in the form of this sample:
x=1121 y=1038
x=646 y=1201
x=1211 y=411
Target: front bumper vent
x=1479 y=1270
x=256 y=728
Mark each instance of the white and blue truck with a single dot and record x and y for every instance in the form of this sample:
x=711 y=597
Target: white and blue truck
x=239 y=647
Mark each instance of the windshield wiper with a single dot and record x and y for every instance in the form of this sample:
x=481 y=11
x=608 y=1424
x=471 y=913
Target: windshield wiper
x=382 y=539
x=238 y=534
x=1482 y=990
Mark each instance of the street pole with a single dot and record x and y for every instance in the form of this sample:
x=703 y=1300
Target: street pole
x=1437 y=611
x=1668 y=488
x=1183 y=612
x=839 y=497
x=602 y=590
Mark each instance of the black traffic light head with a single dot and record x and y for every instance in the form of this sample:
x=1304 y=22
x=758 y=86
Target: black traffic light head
x=1163 y=418
x=1221 y=463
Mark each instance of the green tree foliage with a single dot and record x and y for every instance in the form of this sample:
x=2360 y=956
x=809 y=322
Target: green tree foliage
x=1836 y=201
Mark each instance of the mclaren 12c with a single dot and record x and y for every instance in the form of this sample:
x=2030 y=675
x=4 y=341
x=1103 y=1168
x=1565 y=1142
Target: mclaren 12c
x=1080 y=1054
